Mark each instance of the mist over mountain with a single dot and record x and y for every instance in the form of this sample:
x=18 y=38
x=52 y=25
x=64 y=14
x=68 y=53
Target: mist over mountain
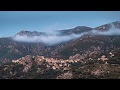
x=60 y=36
x=59 y=43
x=108 y=29
x=80 y=52
x=51 y=38
x=48 y=40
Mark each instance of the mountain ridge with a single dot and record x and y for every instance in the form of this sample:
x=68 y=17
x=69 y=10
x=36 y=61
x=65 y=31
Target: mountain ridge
x=88 y=53
x=74 y=30
x=10 y=49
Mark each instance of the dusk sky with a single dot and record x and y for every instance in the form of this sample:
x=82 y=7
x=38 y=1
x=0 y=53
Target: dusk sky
x=12 y=22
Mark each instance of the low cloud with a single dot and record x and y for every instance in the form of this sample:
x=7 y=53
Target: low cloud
x=112 y=31
x=53 y=37
x=49 y=39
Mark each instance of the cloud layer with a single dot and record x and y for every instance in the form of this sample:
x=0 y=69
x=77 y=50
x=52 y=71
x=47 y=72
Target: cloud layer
x=111 y=31
x=49 y=40
x=54 y=38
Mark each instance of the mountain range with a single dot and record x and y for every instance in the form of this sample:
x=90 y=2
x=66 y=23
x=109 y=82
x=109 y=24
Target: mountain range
x=90 y=45
x=11 y=48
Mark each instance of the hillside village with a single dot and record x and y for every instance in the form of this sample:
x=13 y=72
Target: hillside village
x=90 y=56
x=74 y=67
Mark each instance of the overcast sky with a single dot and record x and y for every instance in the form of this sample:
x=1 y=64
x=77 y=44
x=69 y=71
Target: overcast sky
x=12 y=22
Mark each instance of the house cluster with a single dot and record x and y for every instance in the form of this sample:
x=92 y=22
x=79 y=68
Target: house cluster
x=103 y=58
x=50 y=62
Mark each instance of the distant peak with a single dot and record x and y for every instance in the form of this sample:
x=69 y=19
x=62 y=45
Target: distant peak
x=82 y=27
x=116 y=22
x=23 y=32
x=30 y=33
x=105 y=27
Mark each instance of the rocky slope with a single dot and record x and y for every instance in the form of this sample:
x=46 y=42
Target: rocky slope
x=76 y=67
x=87 y=57
x=10 y=49
x=101 y=44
